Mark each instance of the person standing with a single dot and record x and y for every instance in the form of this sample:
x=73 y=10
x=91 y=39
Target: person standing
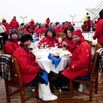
x=14 y=23
x=99 y=29
x=2 y=32
x=6 y=25
x=32 y=25
x=47 y=21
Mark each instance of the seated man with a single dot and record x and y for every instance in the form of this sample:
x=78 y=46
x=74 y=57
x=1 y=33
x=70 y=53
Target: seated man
x=30 y=69
x=80 y=59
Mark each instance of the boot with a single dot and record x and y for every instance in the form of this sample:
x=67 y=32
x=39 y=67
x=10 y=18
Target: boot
x=45 y=93
x=82 y=87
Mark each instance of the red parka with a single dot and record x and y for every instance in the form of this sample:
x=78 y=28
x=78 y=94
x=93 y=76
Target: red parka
x=47 y=41
x=99 y=32
x=7 y=27
x=14 y=24
x=58 y=29
x=32 y=26
x=71 y=46
x=43 y=29
x=80 y=62
x=47 y=21
x=27 y=62
x=11 y=46
x=38 y=31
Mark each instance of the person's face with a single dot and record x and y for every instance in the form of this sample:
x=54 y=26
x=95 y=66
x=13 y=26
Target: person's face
x=58 y=25
x=14 y=36
x=69 y=34
x=75 y=38
x=22 y=26
x=49 y=33
x=28 y=43
x=29 y=29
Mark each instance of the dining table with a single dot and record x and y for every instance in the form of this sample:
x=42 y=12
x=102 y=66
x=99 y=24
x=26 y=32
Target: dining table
x=52 y=59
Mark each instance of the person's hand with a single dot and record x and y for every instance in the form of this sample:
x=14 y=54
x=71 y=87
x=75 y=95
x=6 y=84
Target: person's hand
x=68 y=68
x=60 y=40
x=64 y=44
x=94 y=37
x=42 y=45
x=30 y=49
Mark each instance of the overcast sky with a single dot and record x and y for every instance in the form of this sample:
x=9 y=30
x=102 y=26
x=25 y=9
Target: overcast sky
x=39 y=10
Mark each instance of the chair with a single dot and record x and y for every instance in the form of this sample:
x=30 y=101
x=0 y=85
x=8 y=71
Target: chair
x=16 y=81
x=1 y=42
x=91 y=80
x=97 y=46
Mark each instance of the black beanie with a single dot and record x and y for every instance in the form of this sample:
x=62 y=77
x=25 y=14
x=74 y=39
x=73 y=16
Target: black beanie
x=101 y=13
x=26 y=37
x=13 y=31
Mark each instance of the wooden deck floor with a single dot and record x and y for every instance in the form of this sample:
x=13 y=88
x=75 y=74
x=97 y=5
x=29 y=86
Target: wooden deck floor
x=63 y=97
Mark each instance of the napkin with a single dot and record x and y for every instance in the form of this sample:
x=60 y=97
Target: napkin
x=54 y=60
x=35 y=40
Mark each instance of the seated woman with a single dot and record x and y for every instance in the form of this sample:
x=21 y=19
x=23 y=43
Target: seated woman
x=12 y=44
x=49 y=40
x=80 y=59
x=30 y=69
x=67 y=42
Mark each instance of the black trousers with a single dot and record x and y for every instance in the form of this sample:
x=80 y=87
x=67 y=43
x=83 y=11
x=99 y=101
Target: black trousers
x=36 y=80
x=5 y=37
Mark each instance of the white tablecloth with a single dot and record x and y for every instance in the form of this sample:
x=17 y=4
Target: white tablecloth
x=46 y=64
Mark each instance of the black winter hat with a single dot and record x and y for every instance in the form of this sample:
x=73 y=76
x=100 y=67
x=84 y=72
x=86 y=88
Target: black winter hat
x=13 y=31
x=101 y=13
x=26 y=37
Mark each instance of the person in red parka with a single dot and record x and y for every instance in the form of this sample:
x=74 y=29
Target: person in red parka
x=32 y=26
x=30 y=69
x=47 y=21
x=67 y=42
x=84 y=26
x=12 y=44
x=58 y=28
x=43 y=28
x=49 y=40
x=80 y=59
x=14 y=23
x=38 y=30
x=99 y=29
x=26 y=29
x=27 y=61
x=5 y=23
